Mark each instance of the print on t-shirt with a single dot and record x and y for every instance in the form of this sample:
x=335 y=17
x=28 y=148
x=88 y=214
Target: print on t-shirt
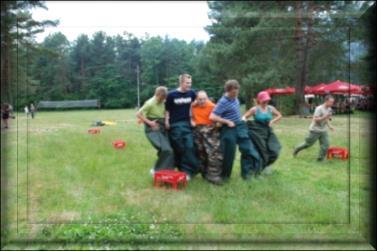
x=179 y=101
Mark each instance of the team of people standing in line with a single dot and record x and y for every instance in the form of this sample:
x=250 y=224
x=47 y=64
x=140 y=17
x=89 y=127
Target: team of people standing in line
x=195 y=135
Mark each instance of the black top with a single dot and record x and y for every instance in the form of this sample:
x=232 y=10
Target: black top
x=178 y=105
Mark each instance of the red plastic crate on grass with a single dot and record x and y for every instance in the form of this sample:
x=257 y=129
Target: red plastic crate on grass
x=337 y=152
x=94 y=130
x=119 y=144
x=172 y=177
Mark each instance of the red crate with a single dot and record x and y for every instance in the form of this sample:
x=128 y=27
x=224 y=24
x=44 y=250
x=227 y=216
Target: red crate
x=337 y=152
x=119 y=144
x=94 y=130
x=172 y=177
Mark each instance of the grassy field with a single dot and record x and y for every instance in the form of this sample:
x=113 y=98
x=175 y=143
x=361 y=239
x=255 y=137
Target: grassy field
x=65 y=184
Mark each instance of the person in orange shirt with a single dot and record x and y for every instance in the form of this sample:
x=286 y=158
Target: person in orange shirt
x=207 y=139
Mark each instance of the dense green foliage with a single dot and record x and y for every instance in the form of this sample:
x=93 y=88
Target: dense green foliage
x=261 y=44
x=17 y=30
x=105 y=67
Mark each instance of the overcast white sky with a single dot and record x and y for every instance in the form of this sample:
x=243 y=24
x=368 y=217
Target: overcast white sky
x=182 y=20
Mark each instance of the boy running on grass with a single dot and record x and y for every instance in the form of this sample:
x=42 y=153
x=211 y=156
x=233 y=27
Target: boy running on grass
x=318 y=129
x=152 y=114
x=177 y=121
x=233 y=132
x=207 y=139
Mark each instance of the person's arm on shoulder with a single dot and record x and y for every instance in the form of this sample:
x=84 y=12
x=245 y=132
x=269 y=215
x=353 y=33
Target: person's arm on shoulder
x=194 y=94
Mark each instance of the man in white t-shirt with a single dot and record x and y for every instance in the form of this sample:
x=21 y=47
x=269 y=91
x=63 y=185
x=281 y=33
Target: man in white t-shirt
x=318 y=129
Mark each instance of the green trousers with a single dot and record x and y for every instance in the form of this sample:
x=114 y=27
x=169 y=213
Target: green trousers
x=313 y=136
x=160 y=141
x=182 y=141
x=250 y=160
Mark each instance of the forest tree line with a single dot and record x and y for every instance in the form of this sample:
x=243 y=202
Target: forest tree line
x=261 y=44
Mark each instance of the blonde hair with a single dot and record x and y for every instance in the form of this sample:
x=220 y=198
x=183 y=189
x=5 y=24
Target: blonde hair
x=201 y=91
x=183 y=76
x=161 y=91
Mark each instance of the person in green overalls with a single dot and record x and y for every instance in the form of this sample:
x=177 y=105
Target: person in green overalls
x=260 y=129
x=318 y=129
x=234 y=131
x=152 y=114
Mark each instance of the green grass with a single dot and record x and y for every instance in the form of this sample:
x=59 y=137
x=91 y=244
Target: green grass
x=75 y=177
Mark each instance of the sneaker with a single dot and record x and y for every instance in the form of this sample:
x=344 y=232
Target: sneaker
x=320 y=160
x=188 y=177
x=152 y=171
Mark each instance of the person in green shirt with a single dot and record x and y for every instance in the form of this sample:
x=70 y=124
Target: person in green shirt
x=318 y=129
x=152 y=114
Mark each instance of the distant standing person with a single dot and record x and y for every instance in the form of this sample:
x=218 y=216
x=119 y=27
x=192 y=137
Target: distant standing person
x=177 y=121
x=234 y=131
x=26 y=109
x=32 y=110
x=11 y=115
x=207 y=139
x=152 y=114
x=318 y=129
x=5 y=111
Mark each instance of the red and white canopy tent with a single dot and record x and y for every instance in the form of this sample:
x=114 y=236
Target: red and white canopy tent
x=336 y=87
x=339 y=87
x=317 y=88
x=280 y=91
x=367 y=90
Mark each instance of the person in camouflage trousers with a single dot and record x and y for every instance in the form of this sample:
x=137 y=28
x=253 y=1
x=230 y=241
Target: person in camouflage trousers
x=207 y=139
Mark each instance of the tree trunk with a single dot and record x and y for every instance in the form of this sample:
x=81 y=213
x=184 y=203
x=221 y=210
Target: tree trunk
x=303 y=45
x=300 y=54
x=248 y=98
